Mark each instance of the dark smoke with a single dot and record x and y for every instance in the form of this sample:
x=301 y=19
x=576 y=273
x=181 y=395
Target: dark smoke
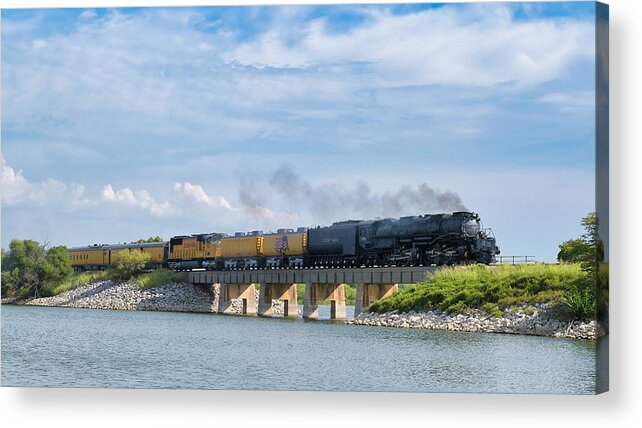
x=251 y=198
x=331 y=202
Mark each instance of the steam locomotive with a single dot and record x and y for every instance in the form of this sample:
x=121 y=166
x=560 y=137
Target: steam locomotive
x=431 y=239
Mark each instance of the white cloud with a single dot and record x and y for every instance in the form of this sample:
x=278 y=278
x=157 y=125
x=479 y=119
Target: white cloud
x=475 y=46
x=17 y=190
x=39 y=44
x=569 y=102
x=139 y=198
x=15 y=187
x=186 y=196
x=153 y=74
x=88 y=14
x=195 y=192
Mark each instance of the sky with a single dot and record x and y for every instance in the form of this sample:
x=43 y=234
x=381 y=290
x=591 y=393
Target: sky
x=119 y=124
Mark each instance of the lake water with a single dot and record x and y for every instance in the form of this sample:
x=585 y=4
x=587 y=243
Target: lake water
x=64 y=347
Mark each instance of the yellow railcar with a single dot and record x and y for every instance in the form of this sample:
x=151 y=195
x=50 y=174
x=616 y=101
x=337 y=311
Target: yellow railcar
x=241 y=251
x=241 y=246
x=94 y=257
x=99 y=257
x=154 y=249
x=155 y=252
x=285 y=243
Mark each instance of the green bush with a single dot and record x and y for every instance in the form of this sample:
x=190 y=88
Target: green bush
x=156 y=278
x=579 y=302
x=127 y=264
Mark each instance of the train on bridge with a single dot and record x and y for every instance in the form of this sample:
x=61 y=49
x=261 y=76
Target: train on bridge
x=423 y=240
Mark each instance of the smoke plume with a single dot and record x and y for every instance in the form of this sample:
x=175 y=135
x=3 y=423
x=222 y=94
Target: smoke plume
x=331 y=202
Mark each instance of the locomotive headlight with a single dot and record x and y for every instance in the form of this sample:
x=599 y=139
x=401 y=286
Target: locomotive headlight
x=470 y=228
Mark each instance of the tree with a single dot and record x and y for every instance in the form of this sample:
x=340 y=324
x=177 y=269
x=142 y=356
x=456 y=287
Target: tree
x=588 y=251
x=573 y=251
x=150 y=239
x=57 y=266
x=595 y=253
x=127 y=264
x=22 y=266
x=28 y=267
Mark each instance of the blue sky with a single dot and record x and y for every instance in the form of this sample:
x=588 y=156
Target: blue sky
x=124 y=123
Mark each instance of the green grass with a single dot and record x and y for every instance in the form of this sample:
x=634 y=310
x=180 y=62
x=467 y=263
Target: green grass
x=156 y=278
x=77 y=280
x=491 y=289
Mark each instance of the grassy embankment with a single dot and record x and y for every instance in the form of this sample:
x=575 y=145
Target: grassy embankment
x=156 y=278
x=77 y=280
x=491 y=289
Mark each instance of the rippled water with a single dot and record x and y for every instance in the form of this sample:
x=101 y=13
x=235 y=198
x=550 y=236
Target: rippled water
x=65 y=347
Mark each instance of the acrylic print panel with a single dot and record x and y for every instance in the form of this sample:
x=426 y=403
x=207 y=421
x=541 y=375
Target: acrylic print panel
x=408 y=197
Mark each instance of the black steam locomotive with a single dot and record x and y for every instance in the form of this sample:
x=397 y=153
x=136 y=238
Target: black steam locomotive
x=431 y=239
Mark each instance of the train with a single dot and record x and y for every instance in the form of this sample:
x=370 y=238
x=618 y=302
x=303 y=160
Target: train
x=422 y=240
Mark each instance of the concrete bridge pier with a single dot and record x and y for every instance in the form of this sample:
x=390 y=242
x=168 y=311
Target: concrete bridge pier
x=333 y=292
x=285 y=292
x=245 y=292
x=369 y=293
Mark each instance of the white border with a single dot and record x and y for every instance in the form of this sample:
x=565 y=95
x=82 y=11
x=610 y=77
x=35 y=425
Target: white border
x=620 y=407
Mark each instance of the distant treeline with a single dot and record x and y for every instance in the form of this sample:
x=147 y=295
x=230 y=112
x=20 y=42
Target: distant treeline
x=150 y=239
x=31 y=269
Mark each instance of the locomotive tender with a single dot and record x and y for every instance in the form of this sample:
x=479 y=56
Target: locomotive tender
x=431 y=239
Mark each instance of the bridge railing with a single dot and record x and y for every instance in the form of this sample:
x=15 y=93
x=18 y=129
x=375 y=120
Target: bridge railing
x=516 y=260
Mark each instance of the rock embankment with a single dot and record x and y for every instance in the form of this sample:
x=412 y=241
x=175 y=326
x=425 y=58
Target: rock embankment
x=541 y=322
x=124 y=296
x=178 y=297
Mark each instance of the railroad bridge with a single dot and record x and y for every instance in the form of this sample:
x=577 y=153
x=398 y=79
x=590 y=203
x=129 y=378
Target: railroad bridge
x=320 y=284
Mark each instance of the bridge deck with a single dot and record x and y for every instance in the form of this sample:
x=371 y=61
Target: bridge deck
x=383 y=275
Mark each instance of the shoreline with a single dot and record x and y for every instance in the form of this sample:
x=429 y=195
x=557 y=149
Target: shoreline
x=183 y=297
x=540 y=323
